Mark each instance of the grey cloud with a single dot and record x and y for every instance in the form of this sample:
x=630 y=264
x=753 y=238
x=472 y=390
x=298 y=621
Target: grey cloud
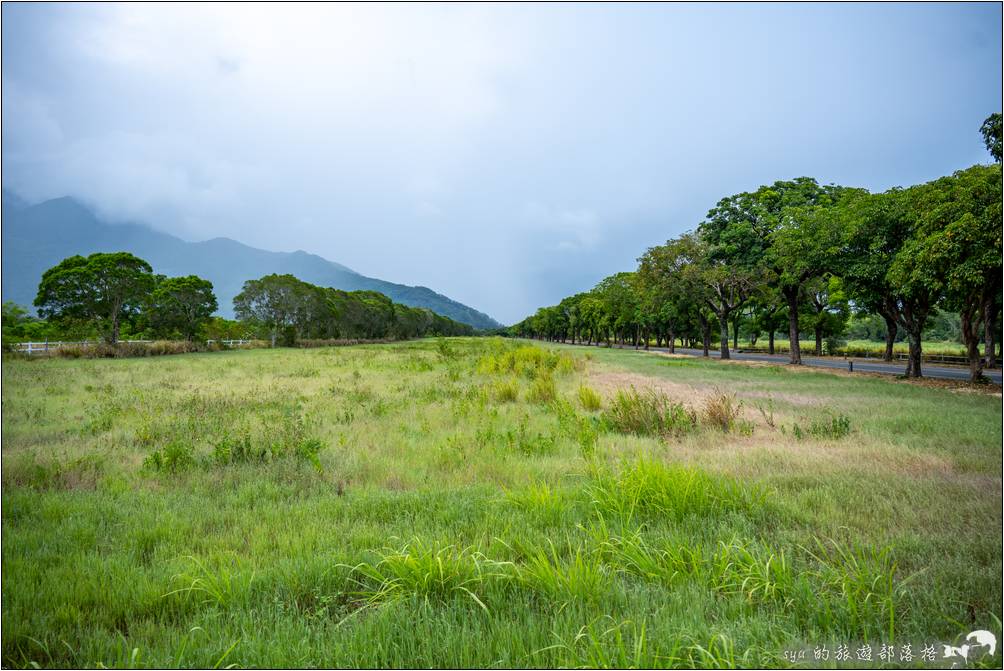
x=505 y=155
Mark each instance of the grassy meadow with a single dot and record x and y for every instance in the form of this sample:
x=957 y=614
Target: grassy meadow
x=479 y=502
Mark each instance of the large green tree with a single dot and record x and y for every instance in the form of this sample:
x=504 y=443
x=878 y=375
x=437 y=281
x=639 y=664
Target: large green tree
x=956 y=249
x=182 y=304
x=104 y=289
x=272 y=301
x=783 y=232
x=664 y=271
x=876 y=226
x=991 y=131
x=727 y=287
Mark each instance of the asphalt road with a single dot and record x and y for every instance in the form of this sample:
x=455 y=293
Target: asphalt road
x=860 y=365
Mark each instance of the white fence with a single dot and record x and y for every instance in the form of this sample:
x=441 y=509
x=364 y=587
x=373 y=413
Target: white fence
x=47 y=346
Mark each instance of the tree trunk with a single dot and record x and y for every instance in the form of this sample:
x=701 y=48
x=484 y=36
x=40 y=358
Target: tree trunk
x=971 y=337
x=912 y=319
x=115 y=330
x=770 y=342
x=672 y=342
x=791 y=295
x=273 y=338
x=706 y=335
x=891 y=329
x=990 y=334
x=913 y=364
x=819 y=341
x=723 y=321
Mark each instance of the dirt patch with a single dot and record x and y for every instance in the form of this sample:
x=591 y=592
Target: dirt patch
x=792 y=399
x=608 y=383
x=769 y=448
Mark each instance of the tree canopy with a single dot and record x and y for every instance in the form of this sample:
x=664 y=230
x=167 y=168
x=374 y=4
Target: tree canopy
x=811 y=255
x=182 y=304
x=991 y=131
x=101 y=288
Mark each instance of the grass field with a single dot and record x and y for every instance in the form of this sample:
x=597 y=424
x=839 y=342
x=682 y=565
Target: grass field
x=481 y=503
x=870 y=348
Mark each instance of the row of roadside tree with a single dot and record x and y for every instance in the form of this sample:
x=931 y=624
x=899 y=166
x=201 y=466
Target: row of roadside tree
x=797 y=256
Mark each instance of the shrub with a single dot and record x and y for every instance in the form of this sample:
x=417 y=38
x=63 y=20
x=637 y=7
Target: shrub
x=834 y=428
x=127 y=349
x=525 y=361
x=542 y=390
x=239 y=451
x=522 y=440
x=505 y=391
x=175 y=456
x=721 y=411
x=445 y=350
x=648 y=413
x=310 y=343
x=587 y=437
x=838 y=427
x=589 y=399
x=767 y=412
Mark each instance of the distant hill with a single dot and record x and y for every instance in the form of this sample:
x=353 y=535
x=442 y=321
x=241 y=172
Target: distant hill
x=36 y=237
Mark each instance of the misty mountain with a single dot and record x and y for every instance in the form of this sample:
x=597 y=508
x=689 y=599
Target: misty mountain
x=36 y=237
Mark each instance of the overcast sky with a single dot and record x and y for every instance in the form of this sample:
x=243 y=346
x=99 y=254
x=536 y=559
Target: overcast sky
x=505 y=155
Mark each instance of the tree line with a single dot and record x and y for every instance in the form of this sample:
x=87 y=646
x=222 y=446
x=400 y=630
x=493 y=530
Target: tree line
x=295 y=309
x=105 y=292
x=800 y=256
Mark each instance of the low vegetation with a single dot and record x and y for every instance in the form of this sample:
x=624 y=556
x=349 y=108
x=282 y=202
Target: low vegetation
x=477 y=502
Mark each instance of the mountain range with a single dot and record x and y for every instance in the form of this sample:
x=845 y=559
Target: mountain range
x=37 y=237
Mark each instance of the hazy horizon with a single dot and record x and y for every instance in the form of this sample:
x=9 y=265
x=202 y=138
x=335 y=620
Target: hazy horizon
x=503 y=155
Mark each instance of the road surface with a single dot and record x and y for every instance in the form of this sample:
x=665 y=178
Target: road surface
x=860 y=365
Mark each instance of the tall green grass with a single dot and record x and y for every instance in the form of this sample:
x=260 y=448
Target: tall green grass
x=452 y=522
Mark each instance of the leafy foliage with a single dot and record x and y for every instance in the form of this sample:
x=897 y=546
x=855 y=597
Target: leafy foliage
x=811 y=255
x=103 y=288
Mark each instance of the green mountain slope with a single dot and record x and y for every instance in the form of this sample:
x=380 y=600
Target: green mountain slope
x=36 y=237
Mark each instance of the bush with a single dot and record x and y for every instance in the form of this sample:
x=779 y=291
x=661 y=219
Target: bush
x=445 y=350
x=589 y=399
x=542 y=390
x=525 y=361
x=505 y=391
x=721 y=411
x=834 y=429
x=127 y=349
x=238 y=451
x=175 y=456
x=587 y=437
x=308 y=343
x=838 y=427
x=649 y=413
